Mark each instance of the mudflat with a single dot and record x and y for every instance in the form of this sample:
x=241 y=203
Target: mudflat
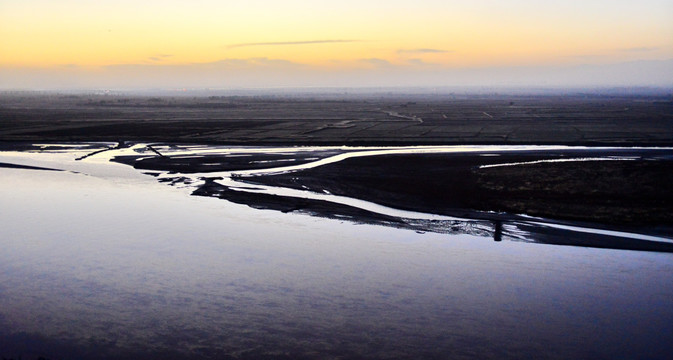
x=621 y=193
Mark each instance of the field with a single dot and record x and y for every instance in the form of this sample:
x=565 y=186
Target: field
x=578 y=119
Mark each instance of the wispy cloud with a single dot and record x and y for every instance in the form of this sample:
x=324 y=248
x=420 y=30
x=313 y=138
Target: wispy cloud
x=280 y=43
x=213 y=67
x=612 y=53
x=586 y=56
x=422 y=51
x=421 y=63
x=252 y=63
x=639 y=49
x=376 y=62
x=159 y=57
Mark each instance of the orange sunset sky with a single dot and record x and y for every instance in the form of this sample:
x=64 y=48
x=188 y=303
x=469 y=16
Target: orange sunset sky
x=261 y=43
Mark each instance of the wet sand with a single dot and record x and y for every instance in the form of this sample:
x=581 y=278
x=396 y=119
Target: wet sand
x=622 y=195
x=614 y=189
x=624 y=189
x=626 y=193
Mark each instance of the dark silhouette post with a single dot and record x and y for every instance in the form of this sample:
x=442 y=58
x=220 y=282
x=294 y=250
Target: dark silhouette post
x=497 y=236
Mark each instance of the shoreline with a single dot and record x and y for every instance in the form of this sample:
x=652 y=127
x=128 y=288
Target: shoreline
x=566 y=184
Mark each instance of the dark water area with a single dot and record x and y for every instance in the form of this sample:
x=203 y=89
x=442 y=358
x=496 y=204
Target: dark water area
x=100 y=261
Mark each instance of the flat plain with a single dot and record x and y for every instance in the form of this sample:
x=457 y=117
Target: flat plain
x=373 y=119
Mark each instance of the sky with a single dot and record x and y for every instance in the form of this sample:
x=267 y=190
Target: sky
x=264 y=43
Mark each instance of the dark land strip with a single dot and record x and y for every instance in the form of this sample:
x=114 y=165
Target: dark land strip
x=368 y=120
x=24 y=167
x=612 y=192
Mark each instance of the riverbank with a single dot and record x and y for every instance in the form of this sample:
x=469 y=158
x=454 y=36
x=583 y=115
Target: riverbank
x=616 y=192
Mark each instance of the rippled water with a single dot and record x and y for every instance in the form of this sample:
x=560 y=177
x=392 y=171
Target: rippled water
x=101 y=261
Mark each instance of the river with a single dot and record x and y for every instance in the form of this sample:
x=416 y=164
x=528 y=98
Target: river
x=101 y=261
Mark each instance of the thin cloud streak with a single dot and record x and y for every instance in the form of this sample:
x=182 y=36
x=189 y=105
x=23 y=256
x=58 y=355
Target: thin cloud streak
x=376 y=62
x=639 y=49
x=279 y=43
x=422 y=51
x=159 y=57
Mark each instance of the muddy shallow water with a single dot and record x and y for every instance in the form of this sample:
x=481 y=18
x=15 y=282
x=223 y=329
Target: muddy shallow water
x=100 y=260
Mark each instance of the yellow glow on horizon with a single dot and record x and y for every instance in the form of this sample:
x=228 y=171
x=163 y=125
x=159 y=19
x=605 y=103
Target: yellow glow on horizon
x=38 y=33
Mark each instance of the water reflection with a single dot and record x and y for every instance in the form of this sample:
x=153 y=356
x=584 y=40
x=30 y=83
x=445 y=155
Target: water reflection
x=121 y=266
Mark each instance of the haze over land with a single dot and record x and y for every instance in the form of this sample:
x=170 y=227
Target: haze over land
x=212 y=44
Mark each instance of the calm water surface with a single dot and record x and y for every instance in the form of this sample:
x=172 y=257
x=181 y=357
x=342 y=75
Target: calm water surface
x=111 y=264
